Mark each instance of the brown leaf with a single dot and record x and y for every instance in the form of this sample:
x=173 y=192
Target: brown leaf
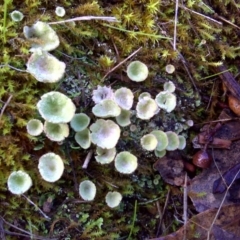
x=220 y=185
x=225 y=227
x=171 y=169
x=201 y=187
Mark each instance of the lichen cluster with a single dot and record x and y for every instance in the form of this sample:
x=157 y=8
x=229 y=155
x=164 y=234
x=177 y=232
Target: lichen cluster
x=207 y=36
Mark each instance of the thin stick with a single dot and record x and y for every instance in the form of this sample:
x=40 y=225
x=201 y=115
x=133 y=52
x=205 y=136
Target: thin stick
x=220 y=120
x=116 y=50
x=86 y=18
x=202 y=15
x=225 y=20
x=23 y=231
x=149 y=201
x=111 y=184
x=184 y=62
x=5 y=105
x=17 y=69
x=175 y=26
x=2 y=235
x=160 y=214
x=118 y=65
x=186 y=68
x=163 y=212
x=30 y=201
x=87 y=159
x=13 y=226
x=26 y=236
x=218 y=169
x=185 y=206
x=210 y=99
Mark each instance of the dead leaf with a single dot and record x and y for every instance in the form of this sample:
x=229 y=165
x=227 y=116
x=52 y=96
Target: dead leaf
x=226 y=226
x=220 y=185
x=171 y=168
x=200 y=189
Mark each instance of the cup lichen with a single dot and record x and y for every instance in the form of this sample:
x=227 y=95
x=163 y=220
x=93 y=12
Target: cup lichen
x=19 y=182
x=56 y=107
x=51 y=167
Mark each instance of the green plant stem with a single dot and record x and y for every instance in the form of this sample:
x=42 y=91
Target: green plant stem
x=137 y=33
x=133 y=220
x=216 y=74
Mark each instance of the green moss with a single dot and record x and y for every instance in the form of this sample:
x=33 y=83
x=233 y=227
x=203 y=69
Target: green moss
x=91 y=49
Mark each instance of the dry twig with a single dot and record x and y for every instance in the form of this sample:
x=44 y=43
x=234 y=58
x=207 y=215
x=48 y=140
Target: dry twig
x=31 y=202
x=163 y=212
x=5 y=105
x=86 y=18
x=24 y=233
x=175 y=26
x=202 y=15
x=118 y=65
x=185 y=206
x=87 y=159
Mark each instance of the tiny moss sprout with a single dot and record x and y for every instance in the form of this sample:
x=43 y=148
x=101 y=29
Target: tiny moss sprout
x=46 y=36
x=102 y=93
x=113 y=199
x=45 y=67
x=34 y=127
x=79 y=122
x=146 y=108
x=56 y=131
x=19 y=182
x=166 y=100
x=149 y=142
x=83 y=138
x=105 y=133
x=16 y=16
x=170 y=68
x=125 y=162
x=51 y=167
x=87 y=190
x=124 y=98
x=105 y=156
x=106 y=61
x=56 y=107
x=60 y=11
x=161 y=138
x=173 y=141
x=123 y=119
x=106 y=108
x=137 y=71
